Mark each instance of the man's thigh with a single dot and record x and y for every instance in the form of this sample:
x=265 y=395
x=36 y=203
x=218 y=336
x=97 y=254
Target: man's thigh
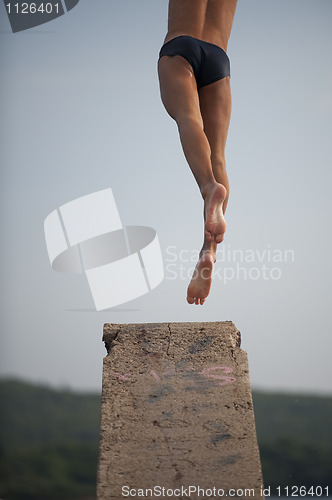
x=178 y=87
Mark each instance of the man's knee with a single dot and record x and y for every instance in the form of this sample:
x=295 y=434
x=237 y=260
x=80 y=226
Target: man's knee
x=188 y=120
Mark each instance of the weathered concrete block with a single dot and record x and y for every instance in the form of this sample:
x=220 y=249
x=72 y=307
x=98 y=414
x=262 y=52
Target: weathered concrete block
x=177 y=411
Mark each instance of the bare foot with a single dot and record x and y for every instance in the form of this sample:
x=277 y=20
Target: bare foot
x=215 y=224
x=200 y=284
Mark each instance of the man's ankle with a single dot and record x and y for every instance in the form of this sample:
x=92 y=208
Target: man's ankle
x=207 y=188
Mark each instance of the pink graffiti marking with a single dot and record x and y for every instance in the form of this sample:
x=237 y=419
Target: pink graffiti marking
x=224 y=379
x=170 y=373
x=126 y=376
x=155 y=376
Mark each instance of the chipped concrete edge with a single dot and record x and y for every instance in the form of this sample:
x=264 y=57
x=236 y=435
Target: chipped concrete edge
x=112 y=330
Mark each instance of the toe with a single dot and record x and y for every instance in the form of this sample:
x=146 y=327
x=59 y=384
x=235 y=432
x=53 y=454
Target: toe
x=190 y=299
x=209 y=236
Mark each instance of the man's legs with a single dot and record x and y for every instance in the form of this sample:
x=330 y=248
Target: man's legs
x=180 y=98
x=182 y=102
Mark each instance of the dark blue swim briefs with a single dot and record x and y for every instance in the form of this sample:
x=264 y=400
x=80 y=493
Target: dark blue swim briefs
x=209 y=62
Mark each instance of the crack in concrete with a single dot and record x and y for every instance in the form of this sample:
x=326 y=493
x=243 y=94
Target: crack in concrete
x=174 y=465
x=169 y=340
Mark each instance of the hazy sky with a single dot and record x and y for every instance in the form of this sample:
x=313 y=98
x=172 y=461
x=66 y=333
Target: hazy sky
x=80 y=112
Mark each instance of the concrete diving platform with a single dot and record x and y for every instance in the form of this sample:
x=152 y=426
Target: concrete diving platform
x=176 y=413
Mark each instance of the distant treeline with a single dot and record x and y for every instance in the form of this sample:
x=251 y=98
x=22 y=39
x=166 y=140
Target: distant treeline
x=295 y=439
x=49 y=441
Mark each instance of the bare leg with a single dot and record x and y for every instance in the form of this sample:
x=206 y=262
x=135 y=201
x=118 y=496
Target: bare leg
x=215 y=103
